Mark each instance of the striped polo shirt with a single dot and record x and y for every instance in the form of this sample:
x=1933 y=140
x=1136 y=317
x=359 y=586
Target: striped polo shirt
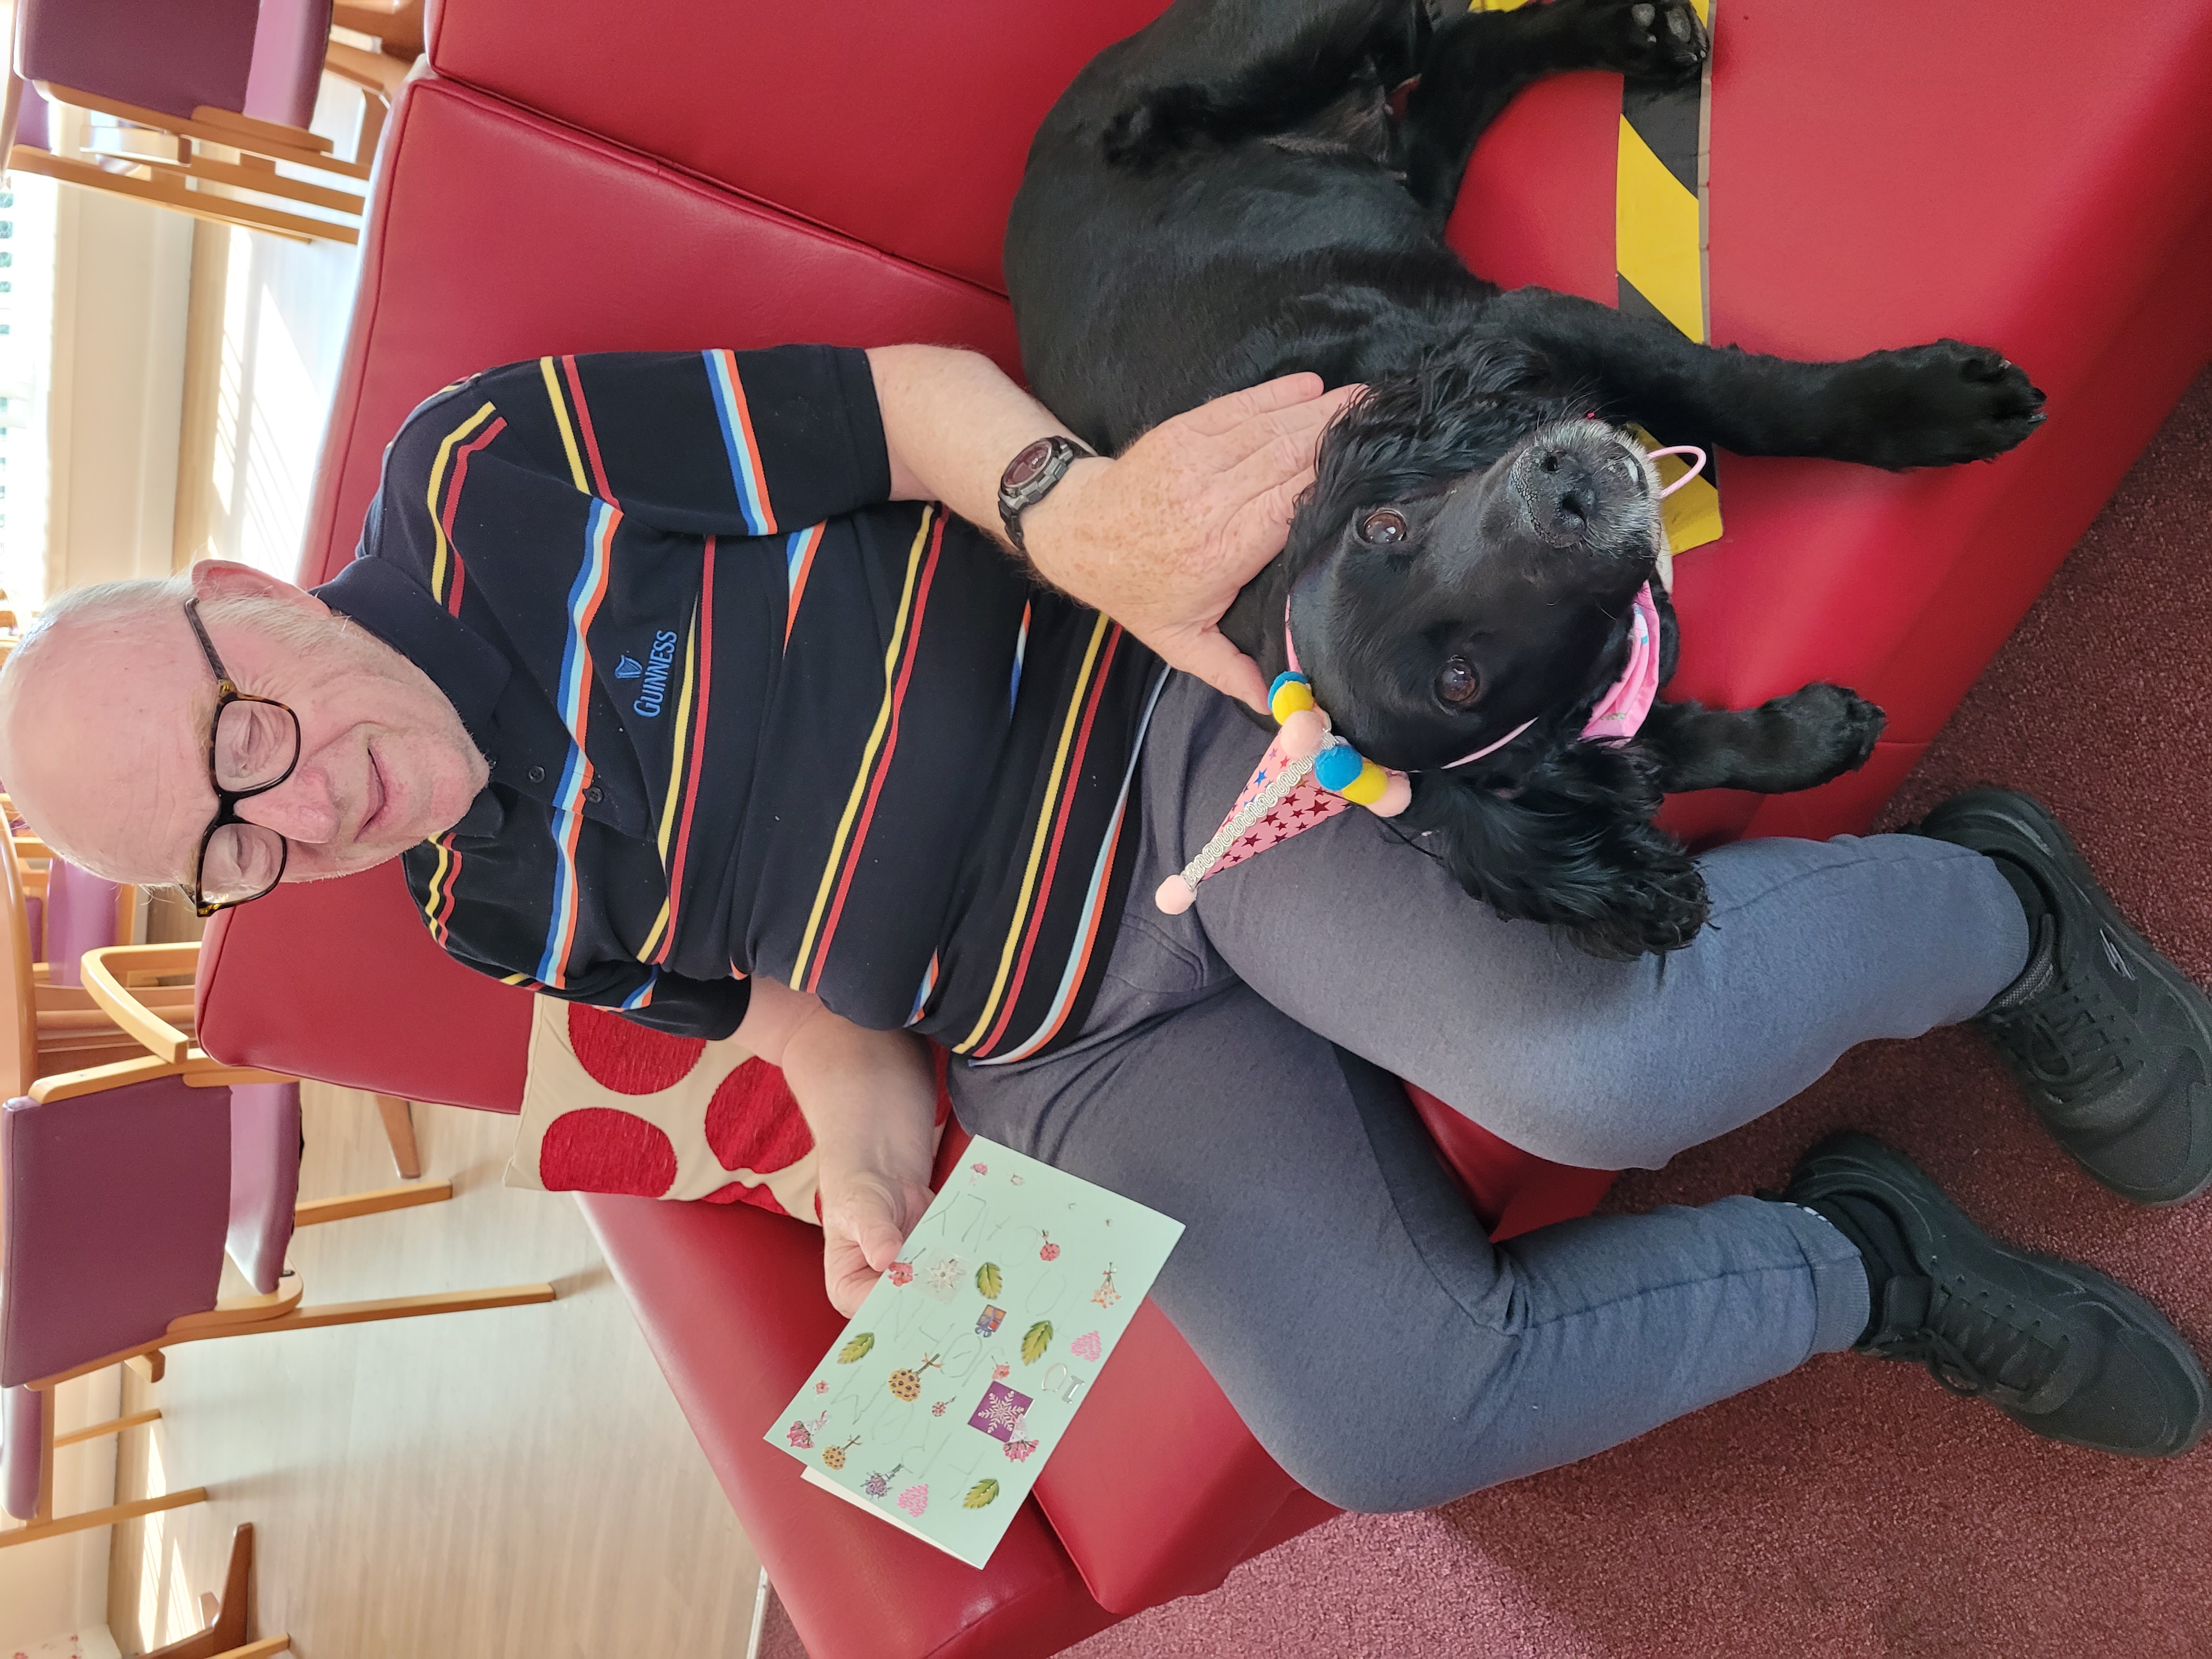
x=744 y=713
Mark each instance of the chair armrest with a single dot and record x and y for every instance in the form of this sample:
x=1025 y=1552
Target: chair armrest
x=198 y=1071
x=104 y=973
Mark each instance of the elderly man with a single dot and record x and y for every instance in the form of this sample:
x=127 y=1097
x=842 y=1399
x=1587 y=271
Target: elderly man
x=678 y=691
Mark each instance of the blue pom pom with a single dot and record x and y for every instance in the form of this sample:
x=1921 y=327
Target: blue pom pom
x=1337 y=766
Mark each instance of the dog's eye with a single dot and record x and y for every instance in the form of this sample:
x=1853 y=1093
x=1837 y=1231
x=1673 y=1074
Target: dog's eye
x=1381 y=526
x=1458 y=683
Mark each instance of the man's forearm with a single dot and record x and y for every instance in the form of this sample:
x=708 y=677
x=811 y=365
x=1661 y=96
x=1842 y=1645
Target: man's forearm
x=951 y=422
x=867 y=1095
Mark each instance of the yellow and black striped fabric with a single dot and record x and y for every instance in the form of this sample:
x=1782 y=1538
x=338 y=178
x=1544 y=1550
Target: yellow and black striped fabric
x=1660 y=240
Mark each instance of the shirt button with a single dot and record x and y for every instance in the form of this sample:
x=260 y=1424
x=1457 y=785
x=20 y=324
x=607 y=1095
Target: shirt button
x=592 y=793
x=537 y=774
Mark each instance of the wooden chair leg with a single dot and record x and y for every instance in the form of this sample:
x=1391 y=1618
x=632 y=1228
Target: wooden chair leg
x=399 y=1129
x=315 y=1210
x=104 y=1517
x=225 y=1629
x=150 y=1365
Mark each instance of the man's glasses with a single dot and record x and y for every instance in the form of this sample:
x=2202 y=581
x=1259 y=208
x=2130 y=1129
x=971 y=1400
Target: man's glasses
x=252 y=747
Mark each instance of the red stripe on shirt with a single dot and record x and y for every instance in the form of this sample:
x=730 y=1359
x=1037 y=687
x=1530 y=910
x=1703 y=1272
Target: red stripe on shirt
x=584 y=428
x=698 y=746
x=1059 y=836
x=453 y=502
x=883 y=761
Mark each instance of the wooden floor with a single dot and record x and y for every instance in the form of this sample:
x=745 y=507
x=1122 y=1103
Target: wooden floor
x=515 y=1483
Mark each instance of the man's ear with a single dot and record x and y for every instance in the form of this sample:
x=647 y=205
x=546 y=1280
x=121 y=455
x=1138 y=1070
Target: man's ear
x=227 y=579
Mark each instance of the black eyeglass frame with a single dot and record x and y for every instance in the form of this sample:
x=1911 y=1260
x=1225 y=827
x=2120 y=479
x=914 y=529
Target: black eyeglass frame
x=226 y=800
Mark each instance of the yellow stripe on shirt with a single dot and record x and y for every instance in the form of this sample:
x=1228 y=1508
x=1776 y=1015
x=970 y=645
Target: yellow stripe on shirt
x=443 y=556
x=1043 y=833
x=875 y=743
x=568 y=432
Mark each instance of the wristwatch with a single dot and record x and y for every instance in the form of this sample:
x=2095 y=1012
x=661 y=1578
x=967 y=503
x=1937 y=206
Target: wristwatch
x=1029 y=478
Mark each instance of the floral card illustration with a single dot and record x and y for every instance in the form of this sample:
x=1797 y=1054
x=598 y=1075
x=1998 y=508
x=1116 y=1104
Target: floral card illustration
x=944 y=1397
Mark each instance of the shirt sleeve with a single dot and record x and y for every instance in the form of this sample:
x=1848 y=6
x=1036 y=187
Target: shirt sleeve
x=698 y=443
x=465 y=891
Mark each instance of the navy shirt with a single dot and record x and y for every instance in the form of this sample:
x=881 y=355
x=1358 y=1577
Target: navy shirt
x=744 y=713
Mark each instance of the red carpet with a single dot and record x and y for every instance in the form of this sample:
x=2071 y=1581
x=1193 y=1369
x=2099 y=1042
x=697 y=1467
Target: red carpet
x=1853 y=1509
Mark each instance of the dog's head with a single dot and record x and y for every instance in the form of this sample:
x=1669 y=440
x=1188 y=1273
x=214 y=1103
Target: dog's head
x=1466 y=563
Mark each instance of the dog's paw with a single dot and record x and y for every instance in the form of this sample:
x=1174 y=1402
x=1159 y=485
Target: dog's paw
x=1934 y=405
x=1841 y=727
x=1658 y=40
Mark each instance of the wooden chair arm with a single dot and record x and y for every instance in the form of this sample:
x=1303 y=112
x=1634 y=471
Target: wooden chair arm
x=198 y=1069
x=105 y=970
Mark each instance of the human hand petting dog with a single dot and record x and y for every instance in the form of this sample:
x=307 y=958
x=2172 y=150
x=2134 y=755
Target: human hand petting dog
x=1161 y=537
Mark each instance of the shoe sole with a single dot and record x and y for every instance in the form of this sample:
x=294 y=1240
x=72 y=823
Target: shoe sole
x=2023 y=816
x=1863 y=1156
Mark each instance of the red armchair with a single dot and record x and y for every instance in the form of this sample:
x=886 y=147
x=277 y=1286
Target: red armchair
x=742 y=175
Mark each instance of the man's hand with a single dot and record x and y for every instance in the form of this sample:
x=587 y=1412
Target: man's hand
x=1161 y=539
x=867 y=1215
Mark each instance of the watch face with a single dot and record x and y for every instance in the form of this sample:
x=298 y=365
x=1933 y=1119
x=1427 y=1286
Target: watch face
x=1023 y=469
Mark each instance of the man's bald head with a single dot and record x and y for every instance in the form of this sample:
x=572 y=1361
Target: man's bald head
x=105 y=710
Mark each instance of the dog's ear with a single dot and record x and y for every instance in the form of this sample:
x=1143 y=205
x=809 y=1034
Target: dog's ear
x=1571 y=844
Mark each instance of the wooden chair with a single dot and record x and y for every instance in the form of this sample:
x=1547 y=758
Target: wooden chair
x=53 y=1028
x=223 y=1636
x=119 y=980
x=161 y=141
x=123 y=1189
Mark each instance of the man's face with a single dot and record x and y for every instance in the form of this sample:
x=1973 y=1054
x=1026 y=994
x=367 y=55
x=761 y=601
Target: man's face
x=106 y=748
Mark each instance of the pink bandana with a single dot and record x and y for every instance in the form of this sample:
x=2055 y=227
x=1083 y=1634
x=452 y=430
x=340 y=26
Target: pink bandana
x=1303 y=780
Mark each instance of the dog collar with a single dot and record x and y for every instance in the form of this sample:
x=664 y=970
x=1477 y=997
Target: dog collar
x=1309 y=773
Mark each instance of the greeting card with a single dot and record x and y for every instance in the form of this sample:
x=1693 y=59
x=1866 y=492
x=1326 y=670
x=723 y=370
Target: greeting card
x=945 y=1396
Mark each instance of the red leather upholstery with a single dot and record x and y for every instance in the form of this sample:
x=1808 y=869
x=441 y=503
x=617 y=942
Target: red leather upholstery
x=496 y=236
x=1881 y=175
x=903 y=126
x=1885 y=174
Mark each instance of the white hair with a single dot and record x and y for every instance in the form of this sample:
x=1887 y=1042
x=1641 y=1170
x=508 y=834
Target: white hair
x=119 y=607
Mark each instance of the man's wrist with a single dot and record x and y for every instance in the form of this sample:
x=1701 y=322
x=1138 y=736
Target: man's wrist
x=1044 y=525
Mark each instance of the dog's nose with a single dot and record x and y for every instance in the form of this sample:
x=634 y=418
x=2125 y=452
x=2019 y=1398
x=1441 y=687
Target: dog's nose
x=1562 y=492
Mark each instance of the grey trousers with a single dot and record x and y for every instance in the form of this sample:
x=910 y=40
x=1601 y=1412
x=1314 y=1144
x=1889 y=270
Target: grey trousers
x=1235 y=1072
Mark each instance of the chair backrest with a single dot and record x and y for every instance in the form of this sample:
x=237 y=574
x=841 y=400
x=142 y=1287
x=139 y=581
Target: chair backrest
x=19 y=1017
x=153 y=53
x=83 y=913
x=114 y=1206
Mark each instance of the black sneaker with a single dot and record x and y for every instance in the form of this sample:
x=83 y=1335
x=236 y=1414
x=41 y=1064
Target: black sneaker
x=2059 y=1348
x=2110 y=1042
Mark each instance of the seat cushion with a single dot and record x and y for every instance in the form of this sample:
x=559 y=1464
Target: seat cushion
x=1872 y=185
x=855 y=1588
x=153 y=53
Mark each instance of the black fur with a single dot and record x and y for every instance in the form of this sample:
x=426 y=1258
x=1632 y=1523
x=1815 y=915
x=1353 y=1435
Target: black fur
x=1227 y=196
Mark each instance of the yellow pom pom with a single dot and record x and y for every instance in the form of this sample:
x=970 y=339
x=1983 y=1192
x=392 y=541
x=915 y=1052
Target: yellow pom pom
x=1368 y=787
x=1288 y=697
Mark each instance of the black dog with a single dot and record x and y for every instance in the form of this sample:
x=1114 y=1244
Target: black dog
x=1227 y=196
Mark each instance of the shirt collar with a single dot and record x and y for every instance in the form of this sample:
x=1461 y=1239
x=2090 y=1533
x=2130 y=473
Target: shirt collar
x=391 y=605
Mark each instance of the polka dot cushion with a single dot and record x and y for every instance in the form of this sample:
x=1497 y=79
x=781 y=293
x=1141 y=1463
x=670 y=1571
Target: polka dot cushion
x=612 y=1106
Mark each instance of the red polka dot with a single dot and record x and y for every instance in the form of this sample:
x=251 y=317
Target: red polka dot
x=628 y=1058
x=598 y=1149
x=738 y=1192
x=753 y=1123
